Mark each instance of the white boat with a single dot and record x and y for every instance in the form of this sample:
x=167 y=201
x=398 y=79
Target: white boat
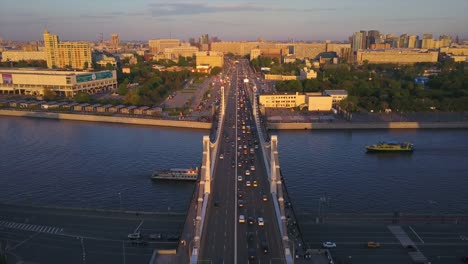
x=176 y=174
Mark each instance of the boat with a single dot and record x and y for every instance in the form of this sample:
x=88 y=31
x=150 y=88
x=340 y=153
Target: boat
x=390 y=146
x=176 y=174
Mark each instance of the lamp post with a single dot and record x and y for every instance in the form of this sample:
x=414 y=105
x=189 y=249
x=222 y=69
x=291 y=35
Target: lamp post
x=120 y=201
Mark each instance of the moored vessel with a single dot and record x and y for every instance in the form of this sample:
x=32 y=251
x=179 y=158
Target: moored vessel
x=176 y=174
x=390 y=146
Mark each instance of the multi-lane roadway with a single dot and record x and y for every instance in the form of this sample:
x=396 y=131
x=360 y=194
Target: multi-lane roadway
x=241 y=224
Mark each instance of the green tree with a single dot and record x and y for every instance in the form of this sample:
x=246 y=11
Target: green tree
x=216 y=70
x=49 y=94
x=82 y=97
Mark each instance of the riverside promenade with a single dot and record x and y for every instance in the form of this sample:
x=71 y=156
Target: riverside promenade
x=367 y=125
x=109 y=119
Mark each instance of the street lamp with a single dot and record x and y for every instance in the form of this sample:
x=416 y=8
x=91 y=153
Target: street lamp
x=120 y=201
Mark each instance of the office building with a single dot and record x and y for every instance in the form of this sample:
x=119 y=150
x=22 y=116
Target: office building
x=75 y=55
x=397 y=56
x=64 y=83
x=158 y=45
x=373 y=37
x=313 y=101
x=209 y=58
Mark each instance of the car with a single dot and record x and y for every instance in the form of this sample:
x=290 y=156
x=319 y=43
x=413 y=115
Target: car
x=135 y=235
x=221 y=156
x=240 y=164
x=241 y=219
x=240 y=194
x=255 y=184
x=239 y=178
x=252 y=168
x=252 y=253
x=251 y=220
x=261 y=222
x=240 y=203
x=250 y=236
x=157 y=236
x=372 y=244
x=233 y=165
x=328 y=244
x=265 y=198
x=247 y=173
x=216 y=203
x=248 y=184
x=256 y=147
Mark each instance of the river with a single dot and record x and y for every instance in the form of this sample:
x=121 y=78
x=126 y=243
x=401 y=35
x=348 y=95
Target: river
x=80 y=164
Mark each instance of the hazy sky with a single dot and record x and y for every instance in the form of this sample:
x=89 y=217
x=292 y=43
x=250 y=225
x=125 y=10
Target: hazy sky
x=229 y=20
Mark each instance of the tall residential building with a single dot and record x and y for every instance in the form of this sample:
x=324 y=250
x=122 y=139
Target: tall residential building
x=204 y=39
x=413 y=41
x=445 y=41
x=158 y=45
x=115 y=41
x=357 y=38
x=76 y=55
x=364 y=39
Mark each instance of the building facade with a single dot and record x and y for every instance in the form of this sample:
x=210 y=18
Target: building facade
x=211 y=58
x=282 y=100
x=397 y=56
x=19 y=55
x=63 y=83
x=158 y=45
x=76 y=55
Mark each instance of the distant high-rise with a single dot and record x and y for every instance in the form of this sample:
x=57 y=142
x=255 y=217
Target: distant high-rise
x=204 y=39
x=413 y=41
x=373 y=37
x=427 y=41
x=76 y=55
x=364 y=39
x=115 y=41
x=357 y=40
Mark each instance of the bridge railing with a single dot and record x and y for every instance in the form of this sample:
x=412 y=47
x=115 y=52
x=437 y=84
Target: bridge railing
x=210 y=151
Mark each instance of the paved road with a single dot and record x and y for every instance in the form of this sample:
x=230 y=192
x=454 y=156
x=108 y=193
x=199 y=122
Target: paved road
x=48 y=235
x=225 y=240
x=438 y=243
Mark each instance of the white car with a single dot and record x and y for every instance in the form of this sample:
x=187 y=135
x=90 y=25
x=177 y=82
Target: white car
x=328 y=245
x=252 y=168
x=260 y=221
x=239 y=178
x=247 y=183
x=247 y=173
x=221 y=156
x=241 y=219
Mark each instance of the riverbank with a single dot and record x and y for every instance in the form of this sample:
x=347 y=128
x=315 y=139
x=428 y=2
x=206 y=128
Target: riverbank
x=367 y=125
x=109 y=119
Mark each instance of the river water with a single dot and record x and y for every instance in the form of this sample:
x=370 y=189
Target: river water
x=80 y=164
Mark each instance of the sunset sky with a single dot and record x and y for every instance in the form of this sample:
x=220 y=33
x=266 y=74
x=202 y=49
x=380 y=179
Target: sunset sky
x=230 y=20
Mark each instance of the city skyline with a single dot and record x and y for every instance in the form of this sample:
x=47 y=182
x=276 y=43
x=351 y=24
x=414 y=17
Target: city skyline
x=230 y=20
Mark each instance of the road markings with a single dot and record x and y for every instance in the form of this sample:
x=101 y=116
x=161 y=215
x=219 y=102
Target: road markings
x=422 y=241
x=32 y=227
